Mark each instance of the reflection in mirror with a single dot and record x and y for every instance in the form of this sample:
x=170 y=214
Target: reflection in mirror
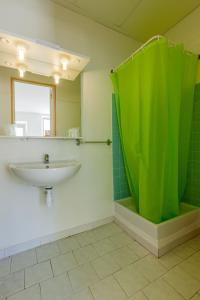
x=35 y=106
x=39 y=89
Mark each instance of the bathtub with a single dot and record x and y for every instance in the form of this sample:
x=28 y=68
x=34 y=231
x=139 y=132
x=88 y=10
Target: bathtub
x=158 y=238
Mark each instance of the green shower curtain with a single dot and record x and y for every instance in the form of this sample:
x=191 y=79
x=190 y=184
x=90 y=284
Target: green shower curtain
x=154 y=95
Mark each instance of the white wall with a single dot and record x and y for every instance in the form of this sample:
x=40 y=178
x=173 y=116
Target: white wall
x=69 y=114
x=88 y=196
x=68 y=110
x=188 y=32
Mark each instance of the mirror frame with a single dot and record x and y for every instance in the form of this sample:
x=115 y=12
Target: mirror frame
x=52 y=104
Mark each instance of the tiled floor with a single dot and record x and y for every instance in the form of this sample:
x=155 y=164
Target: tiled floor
x=101 y=264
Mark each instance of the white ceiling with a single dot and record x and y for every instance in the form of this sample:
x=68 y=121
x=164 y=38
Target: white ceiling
x=139 y=19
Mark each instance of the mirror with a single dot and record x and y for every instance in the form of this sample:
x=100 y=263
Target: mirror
x=40 y=97
x=33 y=108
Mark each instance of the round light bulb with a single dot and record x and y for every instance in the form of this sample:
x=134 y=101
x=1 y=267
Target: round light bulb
x=64 y=60
x=21 y=73
x=56 y=78
x=65 y=65
x=22 y=70
x=21 y=51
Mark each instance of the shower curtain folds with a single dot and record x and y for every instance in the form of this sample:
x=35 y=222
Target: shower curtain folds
x=154 y=99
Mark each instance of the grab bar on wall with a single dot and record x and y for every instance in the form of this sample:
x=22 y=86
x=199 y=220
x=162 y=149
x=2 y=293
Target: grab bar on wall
x=107 y=142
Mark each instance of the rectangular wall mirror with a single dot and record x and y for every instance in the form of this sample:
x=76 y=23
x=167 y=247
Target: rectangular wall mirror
x=40 y=96
x=34 y=108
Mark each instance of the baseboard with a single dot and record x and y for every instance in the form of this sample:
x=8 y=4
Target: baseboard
x=12 y=250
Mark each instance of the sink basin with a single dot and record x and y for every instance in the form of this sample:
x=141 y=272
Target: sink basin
x=45 y=174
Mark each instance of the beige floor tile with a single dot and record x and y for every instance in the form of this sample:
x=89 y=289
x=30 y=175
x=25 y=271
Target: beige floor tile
x=194 y=243
x=121 y=239
x=106 y=231
x=85 y=254
x=57 y=288
x=105 y=266
x=183 y=251
x=68 y=244
x=82 y=276
x=150 y=267
x=112 y=228
x=63 y=263
x=5 y=266
x=38 y=273
x=196 y=297
x=85 y=238
x=182 y=282
x=170 y=260
x=47 y=251
x=138 y=249
x=104 y=246
x=194 y=258
x=84 y=295
x=108 y=289
x=94 y=259
x=23 y=260
x=11 y=284
x=160 y=290
x=138 y=296
x=192 y=268
x=32 y=293
x=131 y=280
x=124 y=256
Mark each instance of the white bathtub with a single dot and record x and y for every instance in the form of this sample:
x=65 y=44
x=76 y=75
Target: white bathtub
x=159 y=238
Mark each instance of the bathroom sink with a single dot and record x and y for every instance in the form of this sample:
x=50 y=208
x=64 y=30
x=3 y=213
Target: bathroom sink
x=45 y=174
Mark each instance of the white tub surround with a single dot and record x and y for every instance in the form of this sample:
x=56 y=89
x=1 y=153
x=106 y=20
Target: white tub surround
x=159 y=238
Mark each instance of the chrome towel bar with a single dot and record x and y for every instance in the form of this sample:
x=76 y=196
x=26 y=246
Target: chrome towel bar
x=107 y=142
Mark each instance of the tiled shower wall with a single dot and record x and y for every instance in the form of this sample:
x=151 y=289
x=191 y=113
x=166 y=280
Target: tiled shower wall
x=121 y=189
x=192 y=191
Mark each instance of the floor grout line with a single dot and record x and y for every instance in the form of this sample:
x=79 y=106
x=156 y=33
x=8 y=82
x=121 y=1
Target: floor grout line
x=121 y=267
x=168 y=283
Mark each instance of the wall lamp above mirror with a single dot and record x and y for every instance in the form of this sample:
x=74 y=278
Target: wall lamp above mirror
x=39 y=83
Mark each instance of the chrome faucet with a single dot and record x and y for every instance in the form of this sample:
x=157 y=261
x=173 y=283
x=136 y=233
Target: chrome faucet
x=46 y=158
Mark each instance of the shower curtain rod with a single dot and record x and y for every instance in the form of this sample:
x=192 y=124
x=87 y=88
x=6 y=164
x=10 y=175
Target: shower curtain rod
x=156 y=37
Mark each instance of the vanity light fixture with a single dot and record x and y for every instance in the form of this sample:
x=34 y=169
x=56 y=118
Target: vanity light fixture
x=64 y=60
x=8 y=64
x=21 y=51
x=5 y=40
x=22 y=69
x=56 y=77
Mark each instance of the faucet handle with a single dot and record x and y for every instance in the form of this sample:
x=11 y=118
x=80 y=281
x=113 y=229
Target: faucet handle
x=46 y=157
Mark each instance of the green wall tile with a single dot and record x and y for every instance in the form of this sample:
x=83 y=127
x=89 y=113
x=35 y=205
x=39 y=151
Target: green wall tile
x=192 y=191
x=120 y=184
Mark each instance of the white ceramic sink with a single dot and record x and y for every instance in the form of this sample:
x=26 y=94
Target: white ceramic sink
x=45 y=174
